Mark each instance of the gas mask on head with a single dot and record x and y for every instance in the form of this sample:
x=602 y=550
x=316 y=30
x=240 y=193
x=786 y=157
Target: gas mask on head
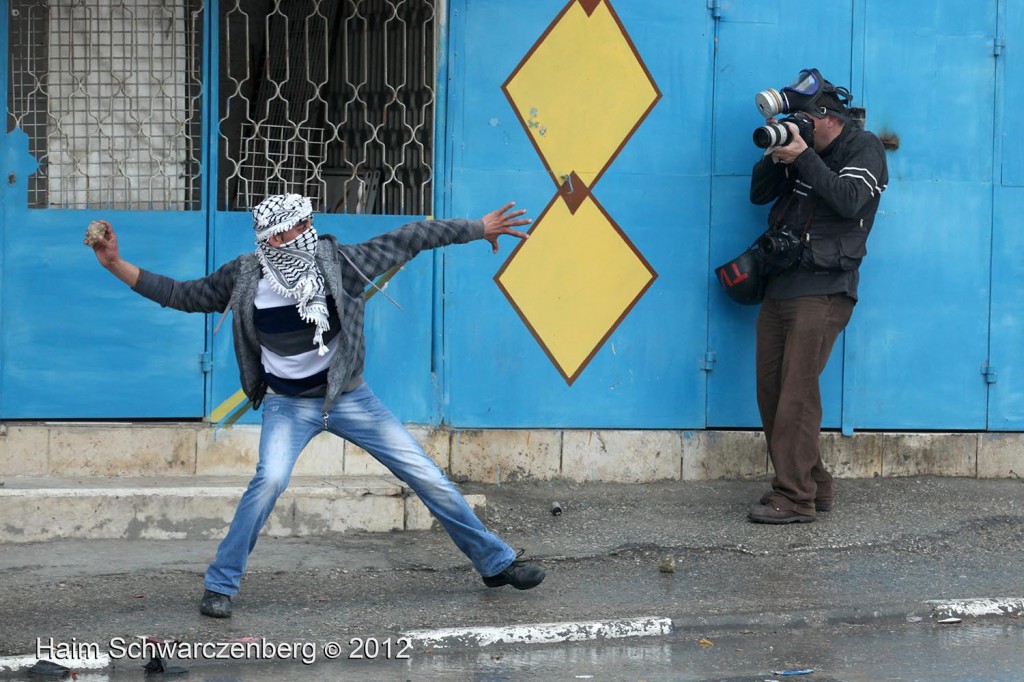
x=803 y=95
x=809 y=95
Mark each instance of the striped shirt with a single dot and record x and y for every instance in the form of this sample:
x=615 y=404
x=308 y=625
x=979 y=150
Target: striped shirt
x=291 y=365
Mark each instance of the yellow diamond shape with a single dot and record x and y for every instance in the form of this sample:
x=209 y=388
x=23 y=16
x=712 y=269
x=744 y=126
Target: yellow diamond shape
x=573 y=298
x=581 y=91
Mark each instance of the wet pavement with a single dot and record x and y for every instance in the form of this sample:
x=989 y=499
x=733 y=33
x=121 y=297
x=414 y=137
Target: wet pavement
x=857 y=573
x=976 y=652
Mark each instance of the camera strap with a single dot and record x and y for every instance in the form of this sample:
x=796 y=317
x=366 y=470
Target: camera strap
x=781 y=215
x=806 y=232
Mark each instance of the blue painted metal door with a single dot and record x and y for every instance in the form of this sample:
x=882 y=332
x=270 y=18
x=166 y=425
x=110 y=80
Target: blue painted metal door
x=77 y=343
x=74 y=341
x=759 y=46
x=1006 y=371
x=523 y=82
x=919 y=337
x=919 y=331
x=401 y=340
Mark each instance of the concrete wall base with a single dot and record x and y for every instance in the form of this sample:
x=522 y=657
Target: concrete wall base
x=496 y=456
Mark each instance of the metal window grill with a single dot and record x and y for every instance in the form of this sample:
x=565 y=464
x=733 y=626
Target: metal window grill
x=333 y=99
x=330 y=98
x=109 y=93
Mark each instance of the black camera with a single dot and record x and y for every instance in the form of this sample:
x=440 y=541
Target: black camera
x=779 y=135
x=781 y=247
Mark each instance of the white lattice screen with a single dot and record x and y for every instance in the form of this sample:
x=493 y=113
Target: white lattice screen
x=109 y=93
x=329 y=98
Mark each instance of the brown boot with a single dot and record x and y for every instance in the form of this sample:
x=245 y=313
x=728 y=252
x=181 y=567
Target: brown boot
x=773 y=513
x=820 y=504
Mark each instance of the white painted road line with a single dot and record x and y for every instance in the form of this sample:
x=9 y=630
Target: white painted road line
x=976 y=608
x=539 y=633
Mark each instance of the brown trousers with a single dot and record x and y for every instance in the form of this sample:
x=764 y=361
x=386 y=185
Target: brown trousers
x=794 y=341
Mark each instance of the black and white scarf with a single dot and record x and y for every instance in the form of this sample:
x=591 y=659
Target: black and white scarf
x=291 y=268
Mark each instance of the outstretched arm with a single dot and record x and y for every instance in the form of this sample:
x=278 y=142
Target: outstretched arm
x=497 y=223
x=380 y=254
x=109 y=254
x=203 y=295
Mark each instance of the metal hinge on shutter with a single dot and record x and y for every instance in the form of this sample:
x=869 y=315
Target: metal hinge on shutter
x=998 y=45
x=989 y=372
x=716 y=8
x=206 y=362
x=708 y=363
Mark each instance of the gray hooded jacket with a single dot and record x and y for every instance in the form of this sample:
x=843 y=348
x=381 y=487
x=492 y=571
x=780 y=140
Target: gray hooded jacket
x=347 y=269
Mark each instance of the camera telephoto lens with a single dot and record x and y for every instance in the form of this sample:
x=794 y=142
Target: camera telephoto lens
x=772 y=135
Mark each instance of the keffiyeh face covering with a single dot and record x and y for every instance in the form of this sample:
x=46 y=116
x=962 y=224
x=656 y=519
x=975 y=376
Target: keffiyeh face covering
x=291 y=268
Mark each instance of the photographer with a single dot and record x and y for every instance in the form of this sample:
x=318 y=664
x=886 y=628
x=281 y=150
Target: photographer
x=825 y=176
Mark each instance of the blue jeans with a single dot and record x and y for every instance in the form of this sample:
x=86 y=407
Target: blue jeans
x=359 y=417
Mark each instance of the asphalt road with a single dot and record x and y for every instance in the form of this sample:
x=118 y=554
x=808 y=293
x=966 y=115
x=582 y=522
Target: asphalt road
x=888 y=547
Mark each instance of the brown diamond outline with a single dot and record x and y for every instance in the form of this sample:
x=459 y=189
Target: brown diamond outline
x=588 y=6
x=570 y=379
x=574 y=191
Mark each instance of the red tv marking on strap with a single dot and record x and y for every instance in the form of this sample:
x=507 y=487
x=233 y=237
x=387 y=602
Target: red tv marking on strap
x=739 y=276
x=730 y=282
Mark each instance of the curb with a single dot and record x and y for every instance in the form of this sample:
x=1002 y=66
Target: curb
x=539 y=633
x=975 y=608
x=939 y=610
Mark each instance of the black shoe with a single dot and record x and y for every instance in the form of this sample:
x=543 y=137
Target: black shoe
x=215 y=605
x=519 y=574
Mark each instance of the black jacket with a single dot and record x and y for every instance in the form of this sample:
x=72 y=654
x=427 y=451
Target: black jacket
x=838 y=193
